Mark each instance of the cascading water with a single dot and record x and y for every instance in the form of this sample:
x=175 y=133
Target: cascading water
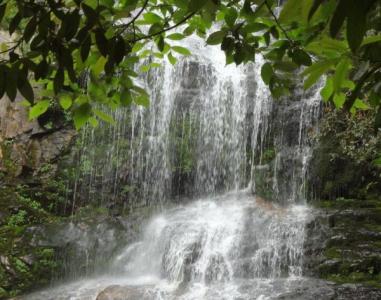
x=212 y=125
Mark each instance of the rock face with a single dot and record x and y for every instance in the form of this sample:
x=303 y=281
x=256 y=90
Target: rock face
x=281 y=172
x=87 y=244
x=25 y=146
x=117 y=292
x=343 y=245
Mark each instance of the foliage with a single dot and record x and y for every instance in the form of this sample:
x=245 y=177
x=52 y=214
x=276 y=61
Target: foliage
x=74 y=48
x=343 y=163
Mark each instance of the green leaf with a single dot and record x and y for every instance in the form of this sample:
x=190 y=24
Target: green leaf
x=300 y=57
x=327 y=91
x=26 y=89
x=142 y=100
x=102 y=42
x=30 y=29
x=2 y=11
x=377 y=161
x=65 y=101
x=14 y=23
x=356 y=24
x=11 y=83
x=176 y=36
x=255 y=27
x=341 y=74
x=103 y=116
x=137 y=47
x=81 y=115
x=338 y=18
x=181 y=50
x=195 y=5
x=216 y=38
x=338 y=100
x=93 y=122
x=90 y=13
x=371 y=39
x=171 y=58
x=314 y=8
x=125 y=97
x=85 y=48
x=374 y=99
x=315 y=71
x=231 y=16
x=119 y=50
x=99 y=66
x=152 y=18
x=38 y=109
x=267 y=72
x=295 y=11
x=359 y=104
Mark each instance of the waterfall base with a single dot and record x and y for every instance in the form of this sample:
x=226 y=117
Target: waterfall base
x=233 y=246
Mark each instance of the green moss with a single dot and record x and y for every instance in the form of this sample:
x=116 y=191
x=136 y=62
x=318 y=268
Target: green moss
x=333 y=253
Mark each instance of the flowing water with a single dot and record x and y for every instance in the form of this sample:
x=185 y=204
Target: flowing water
x=211 y=125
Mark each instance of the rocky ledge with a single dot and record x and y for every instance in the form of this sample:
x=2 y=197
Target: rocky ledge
x=344 y=246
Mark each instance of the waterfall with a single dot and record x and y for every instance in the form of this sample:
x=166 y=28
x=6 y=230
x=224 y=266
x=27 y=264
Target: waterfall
x=213 y=133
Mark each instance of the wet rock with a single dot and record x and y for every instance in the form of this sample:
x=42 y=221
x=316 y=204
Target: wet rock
x=348 y=252
x=117 y=292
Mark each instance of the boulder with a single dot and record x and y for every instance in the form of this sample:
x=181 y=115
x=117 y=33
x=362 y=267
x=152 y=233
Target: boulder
x=117 y=292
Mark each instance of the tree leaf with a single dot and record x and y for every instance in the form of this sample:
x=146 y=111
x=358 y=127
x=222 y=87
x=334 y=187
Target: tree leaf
x=125 y=97
x=103 y=116
x=359 y=104
x=102 y=42
x=85 y=48
x=176 y=36
x=339 y=99
x=81 y=115
x=216 y=38
x=341 y=74
x=267 y=72
x=338 y=18
x=356 y=24
x=327 y=91
x=371 y=39
x=38 y=109
x=2 y=11
x=14 y=23
x=195 y=5
x=314 y=8
x=30 y=29
x=181 y=50
x=231 y=16
x=65 y=101
x=301 y=57
x=142 y=100
x=119 y=50
x=171 y=58
x=152 y=18
x=25 y=89
x=11 y=83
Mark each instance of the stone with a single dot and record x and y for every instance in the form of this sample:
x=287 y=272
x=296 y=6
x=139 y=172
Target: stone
x=117 y=292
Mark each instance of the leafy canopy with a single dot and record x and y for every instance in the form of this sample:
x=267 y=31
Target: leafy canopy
x=82 y=53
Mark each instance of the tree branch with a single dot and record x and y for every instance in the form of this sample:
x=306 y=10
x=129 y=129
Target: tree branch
x=165 y=29
x=277 y=22
x=135 y=17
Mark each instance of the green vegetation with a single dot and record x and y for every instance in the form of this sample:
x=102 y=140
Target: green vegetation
x=342 y=164
x=23 y=265
x=67 y=42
